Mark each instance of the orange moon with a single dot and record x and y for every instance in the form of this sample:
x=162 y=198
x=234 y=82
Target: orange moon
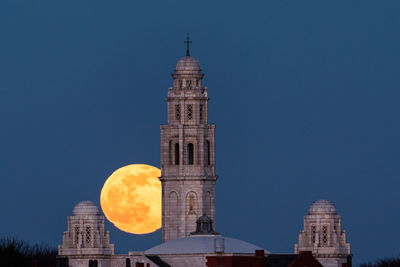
x=131 y=199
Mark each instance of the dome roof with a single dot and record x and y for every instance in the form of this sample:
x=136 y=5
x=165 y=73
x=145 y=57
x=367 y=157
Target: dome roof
x=322 y=207
x=202 y=244
x=85 y=207
x=187 y=65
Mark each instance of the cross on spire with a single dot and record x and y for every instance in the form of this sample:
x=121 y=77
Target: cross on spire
x=187 y=42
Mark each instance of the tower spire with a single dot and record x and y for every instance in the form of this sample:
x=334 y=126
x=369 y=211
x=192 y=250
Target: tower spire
x=187 y=42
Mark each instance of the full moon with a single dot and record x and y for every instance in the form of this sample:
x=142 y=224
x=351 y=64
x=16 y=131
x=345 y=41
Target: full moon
x=131 y=199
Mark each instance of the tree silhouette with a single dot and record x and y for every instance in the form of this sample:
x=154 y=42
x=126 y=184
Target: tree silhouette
x=18 y=253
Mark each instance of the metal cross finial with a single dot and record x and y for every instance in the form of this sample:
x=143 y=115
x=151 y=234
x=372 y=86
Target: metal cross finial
x=187 y=42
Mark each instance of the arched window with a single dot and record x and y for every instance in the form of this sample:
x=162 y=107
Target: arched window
x=128 y=262
x=176 y=154
x=170 y=152
x=208 y=152
x=190 y=154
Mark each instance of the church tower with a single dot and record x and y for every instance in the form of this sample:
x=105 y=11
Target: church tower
x=187 y=153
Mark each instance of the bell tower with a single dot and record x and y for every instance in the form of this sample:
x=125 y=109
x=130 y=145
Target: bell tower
x=187 y=153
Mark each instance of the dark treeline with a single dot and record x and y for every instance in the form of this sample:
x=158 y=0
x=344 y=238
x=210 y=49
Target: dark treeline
x=19 y=253
x=393 y=262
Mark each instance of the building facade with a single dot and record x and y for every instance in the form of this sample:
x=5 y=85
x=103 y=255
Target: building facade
x=188 y=203
x=323 y=236
x=187 y=153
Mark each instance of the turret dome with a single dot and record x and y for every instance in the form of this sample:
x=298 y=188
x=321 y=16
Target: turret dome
x=322 y=207
x=85 y=207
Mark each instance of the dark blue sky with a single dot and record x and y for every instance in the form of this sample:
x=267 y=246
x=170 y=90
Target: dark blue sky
x=305 y=96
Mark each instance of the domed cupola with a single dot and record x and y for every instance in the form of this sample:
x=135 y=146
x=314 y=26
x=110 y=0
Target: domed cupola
x=322 y=207
x=85 y=207
x=187 y=74
x=204 y=226
x=188 y=66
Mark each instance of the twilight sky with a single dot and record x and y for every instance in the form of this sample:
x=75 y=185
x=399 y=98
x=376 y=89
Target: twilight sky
x=305 y=96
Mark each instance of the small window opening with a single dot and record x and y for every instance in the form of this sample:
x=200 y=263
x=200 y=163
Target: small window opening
x=93 y=263
x=128 y=262
x=313 y=233
x=77 y=234
x=325 y=234
x=190 y=154
x=178 y=112
x=201 y=113
x=88 y=235
x=189 y=84
x=189 y=112
x=180 y=84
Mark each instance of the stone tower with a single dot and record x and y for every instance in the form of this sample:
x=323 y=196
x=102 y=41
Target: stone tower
x=86 y=239
x=323 y=235
x=187 y=153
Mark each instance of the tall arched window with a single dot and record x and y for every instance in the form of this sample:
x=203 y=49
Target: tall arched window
x=176 y=154
x=190 y=154
x=170 y=152
x=208 y=152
